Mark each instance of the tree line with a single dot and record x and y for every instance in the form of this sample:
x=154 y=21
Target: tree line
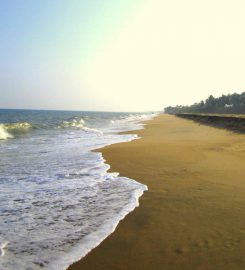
x=230 y=104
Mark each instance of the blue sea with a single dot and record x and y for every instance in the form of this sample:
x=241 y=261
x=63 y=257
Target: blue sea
x=58 y=200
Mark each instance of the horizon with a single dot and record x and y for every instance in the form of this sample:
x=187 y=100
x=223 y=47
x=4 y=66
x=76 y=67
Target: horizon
x=128 y=56
x=61 y=110
x=110 y=111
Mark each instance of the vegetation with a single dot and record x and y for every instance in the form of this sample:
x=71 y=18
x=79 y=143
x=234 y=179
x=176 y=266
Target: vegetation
x=230 y=104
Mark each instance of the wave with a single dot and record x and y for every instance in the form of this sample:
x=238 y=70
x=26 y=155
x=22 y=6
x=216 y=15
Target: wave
x=8 y=131
x=76 y=123
x=77 y=181
x=93 y=130
x=91 y=241
x=140 y=117
x=79 y=124
x=134 y=118
x=2 y=246
x=4 y=133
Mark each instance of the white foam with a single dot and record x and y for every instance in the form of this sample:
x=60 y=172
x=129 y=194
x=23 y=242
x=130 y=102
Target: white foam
x=95 y=238
x=131 y=122
x=20 y=126
x=2 y=246
x=77 y=123
x=3 y=133
x=93 y=130
x=8 y=130
x=137 y=117
x=58 y=201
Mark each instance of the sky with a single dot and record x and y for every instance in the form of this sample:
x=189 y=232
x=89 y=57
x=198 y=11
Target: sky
x=124 y=55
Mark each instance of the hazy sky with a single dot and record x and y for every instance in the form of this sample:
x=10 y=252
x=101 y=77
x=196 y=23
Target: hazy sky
x=119 y=55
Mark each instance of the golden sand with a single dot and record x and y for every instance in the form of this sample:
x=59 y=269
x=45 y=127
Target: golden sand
x=193 y=216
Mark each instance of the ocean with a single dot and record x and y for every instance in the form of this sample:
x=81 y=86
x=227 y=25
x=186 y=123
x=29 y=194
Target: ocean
x=58 y=200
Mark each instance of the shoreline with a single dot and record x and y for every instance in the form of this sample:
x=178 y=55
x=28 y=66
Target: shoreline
x=140 y=193
x=193 y=213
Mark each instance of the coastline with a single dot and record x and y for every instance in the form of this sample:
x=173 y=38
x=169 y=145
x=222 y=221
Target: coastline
x=192 y=216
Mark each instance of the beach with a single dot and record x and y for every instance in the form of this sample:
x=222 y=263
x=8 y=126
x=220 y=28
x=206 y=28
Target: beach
x=192 y=216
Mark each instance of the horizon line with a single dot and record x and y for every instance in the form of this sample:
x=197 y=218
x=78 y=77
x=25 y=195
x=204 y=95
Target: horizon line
x=67 y=110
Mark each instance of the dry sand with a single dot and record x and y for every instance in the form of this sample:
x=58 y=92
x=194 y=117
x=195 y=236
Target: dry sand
x=193 y=216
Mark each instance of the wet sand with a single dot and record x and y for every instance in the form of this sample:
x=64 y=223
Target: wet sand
x=193 y=216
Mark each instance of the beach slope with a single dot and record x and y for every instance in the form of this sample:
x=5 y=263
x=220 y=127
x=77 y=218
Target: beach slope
x=193 y=216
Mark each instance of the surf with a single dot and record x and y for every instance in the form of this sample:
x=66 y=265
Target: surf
x=4 y=133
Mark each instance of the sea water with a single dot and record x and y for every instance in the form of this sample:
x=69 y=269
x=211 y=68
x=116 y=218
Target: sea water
x=57 y=199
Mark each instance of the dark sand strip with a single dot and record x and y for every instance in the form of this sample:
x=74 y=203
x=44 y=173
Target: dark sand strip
x=193 y=216
x=228 y=121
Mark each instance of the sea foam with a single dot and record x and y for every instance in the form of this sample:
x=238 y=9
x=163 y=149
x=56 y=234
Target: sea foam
x=76 y=122
x=8 y=130
x=58 y=200
x=4 y=133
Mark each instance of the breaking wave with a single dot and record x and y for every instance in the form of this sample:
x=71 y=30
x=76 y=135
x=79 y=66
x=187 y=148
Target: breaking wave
x=79 y=123
x=9 y=130
x=2 y=246
x=4 y=133
x=134 y=118
x=93 y=130
x=63 y=203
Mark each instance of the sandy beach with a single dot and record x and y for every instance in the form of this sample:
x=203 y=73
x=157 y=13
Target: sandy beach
x=193 y=216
